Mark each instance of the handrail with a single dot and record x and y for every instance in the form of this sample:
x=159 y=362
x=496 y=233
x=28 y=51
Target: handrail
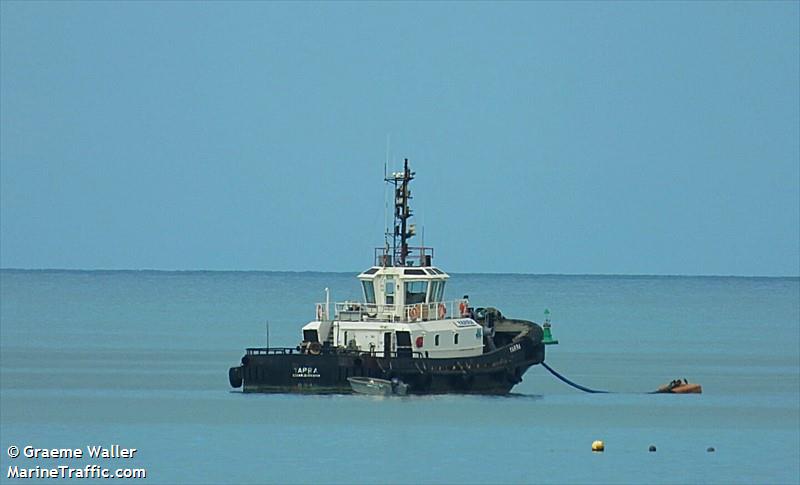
x=416 y=312
x=272 y=350
x=331 y=350
x=422 y=255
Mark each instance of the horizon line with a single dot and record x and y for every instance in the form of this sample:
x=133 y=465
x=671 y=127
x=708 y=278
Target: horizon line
x=153 y=270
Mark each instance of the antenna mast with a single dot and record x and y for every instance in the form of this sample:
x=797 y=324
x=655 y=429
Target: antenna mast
x=402 y=229
x=385 y=201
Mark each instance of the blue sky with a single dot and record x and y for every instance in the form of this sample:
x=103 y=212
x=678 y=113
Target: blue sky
x=600 y=137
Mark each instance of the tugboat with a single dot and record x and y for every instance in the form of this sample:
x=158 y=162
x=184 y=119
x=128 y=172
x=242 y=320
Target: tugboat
x=403 y=329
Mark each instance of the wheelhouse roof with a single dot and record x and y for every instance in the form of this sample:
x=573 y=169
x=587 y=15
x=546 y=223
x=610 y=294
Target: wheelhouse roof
x=410 y=272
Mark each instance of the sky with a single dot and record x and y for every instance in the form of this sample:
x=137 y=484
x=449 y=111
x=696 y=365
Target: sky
x=570 y=138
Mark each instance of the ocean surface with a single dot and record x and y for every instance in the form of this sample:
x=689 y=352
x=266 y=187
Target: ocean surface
x=140 y=359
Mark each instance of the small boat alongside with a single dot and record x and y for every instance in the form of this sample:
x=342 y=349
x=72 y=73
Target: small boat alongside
x=378 y=387
x=402 y=328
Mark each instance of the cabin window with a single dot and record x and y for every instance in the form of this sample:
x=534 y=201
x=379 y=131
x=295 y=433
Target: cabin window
x=436 y=340
x=369 y=292
x=455 y=339
x=389 y=292
x=416 y=292
x=437 y=291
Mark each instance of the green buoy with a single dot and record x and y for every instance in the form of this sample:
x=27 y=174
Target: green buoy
x=547 y=336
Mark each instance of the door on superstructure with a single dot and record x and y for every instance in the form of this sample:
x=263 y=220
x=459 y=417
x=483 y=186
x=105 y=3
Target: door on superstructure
x=404 y=344
x=387 y=344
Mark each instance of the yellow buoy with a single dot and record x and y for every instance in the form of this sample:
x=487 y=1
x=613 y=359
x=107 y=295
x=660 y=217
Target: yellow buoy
x=598 y=445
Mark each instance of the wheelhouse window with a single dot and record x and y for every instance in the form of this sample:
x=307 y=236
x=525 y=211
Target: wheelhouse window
x=416 y=292
x=437 y=291
x=389 y=291
x=369 y=291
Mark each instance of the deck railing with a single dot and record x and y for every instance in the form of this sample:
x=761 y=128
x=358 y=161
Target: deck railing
x=416 y=256
x=352 y=311
x=334 y=350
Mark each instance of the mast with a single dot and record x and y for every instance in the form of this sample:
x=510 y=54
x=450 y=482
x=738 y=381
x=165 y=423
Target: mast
x=405 y=213
x=403 y=231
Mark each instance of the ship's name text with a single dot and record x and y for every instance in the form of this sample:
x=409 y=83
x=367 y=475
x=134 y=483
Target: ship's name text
x=305 y=372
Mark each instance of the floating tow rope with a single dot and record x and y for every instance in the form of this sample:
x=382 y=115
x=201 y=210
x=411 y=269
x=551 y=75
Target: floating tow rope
x=569 y=382
x=675 y=387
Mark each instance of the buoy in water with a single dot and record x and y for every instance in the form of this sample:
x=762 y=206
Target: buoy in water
x=678 y=386
x=598 y=446
x=710 y=449
x=652 y=448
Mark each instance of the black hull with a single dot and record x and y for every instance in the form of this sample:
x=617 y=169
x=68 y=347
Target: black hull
x=286 y=370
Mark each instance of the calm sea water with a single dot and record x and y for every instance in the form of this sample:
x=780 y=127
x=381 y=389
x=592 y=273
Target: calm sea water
x=140 y=359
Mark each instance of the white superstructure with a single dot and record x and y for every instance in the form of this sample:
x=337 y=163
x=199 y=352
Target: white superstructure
x=403 y=311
